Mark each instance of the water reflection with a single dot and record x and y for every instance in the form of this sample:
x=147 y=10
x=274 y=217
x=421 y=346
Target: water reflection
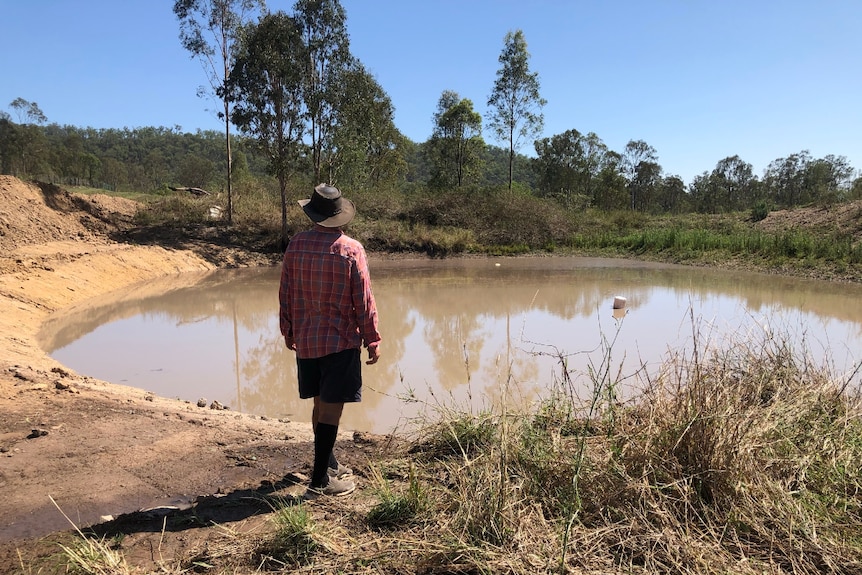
x=472 y=332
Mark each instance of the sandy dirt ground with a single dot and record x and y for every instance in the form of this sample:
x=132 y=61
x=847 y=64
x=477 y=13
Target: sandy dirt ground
x=78 y=450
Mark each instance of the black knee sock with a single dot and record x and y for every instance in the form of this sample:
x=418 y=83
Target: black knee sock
x=324 y=441
x=333 y=461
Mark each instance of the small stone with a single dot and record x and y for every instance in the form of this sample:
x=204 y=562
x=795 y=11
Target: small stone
x=362 y=437
x=61 y=385
x=26 y=376
x=202 y=402
x=37 y=433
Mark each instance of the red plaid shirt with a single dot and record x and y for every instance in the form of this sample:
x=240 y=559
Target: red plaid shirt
x=325 y=298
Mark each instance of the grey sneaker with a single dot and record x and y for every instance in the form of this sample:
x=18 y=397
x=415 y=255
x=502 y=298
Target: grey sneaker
x=339 y=471
x=334 y=487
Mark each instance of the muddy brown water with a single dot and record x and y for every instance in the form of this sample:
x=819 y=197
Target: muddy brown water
x=467 y=334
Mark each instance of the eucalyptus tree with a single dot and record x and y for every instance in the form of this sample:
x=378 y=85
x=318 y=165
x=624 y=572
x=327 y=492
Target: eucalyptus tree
x=701 y=193
x=784 y=179
x=733 y=184
x=455 y=148
x=27 y=137
x=8 y=142
x=570 y=163
x=327 y=59
x=515 y=102
x=671 y=196
x=367 y=148
x=830 y=178
x=559 y=164
x=610 y=184
x=28 y=112
x=266 y=88
x=642 y=171
x=800 y=179
x=210 y=30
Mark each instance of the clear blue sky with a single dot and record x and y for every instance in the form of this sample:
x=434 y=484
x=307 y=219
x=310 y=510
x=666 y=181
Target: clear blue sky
x=698 y=80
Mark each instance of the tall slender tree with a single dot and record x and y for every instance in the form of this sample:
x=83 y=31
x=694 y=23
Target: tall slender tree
x=328 y=58
x=515 y=103
x=209 y=30
x=28 y=112
x=265 y=86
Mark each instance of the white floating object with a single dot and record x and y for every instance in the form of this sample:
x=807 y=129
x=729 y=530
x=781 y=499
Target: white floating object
x=497 y=264
x=619 y=302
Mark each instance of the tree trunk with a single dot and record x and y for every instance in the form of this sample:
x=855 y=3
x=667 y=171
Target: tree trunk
x=229 y=162
x=282 y=184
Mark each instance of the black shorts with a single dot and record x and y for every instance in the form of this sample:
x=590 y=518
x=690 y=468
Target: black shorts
x=336 y=378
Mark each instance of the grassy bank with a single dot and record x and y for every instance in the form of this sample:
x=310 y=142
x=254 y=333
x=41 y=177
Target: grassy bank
x=821 y=241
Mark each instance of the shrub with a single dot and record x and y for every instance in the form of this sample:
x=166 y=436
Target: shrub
x=759 y=211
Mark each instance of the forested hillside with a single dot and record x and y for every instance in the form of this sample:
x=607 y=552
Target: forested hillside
x=573 y=169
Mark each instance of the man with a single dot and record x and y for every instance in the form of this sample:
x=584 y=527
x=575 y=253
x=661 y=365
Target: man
x=327 y=313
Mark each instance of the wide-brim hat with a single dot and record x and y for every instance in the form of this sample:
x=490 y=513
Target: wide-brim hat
x=327 y=207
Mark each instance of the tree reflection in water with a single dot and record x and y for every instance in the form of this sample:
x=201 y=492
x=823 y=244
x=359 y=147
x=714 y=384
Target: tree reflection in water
x=468 y=332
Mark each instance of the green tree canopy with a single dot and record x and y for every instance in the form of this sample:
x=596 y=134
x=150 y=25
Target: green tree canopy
x=327 y=59
x=515 y=103
x=568 y=166
x=642 y=170
x=456 y=145
x=367 y=148
x=266 y=86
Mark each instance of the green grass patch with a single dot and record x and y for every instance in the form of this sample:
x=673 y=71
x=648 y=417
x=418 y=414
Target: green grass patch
x=398 y=508
x=295 y=540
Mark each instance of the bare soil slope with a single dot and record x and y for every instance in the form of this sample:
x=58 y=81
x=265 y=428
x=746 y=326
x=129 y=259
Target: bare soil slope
x=845 y=218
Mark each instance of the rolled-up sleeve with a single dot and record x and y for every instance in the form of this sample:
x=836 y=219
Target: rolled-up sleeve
x=363 y=300
x=284 y=322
